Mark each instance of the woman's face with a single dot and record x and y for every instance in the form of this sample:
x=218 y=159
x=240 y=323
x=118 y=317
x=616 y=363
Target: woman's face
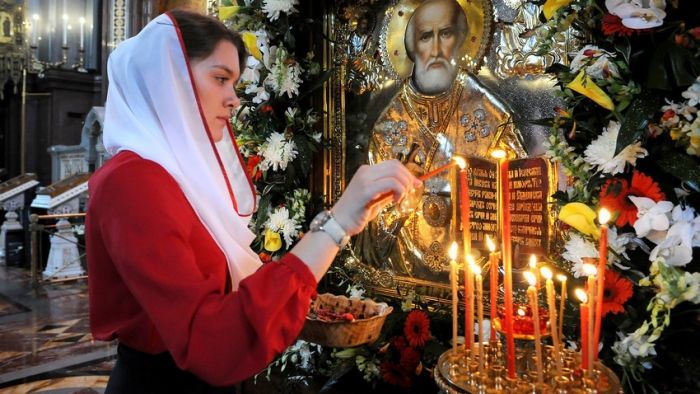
x=216 y=77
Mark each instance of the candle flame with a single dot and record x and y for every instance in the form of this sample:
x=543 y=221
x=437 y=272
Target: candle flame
x=498 y=154
x=603 y=216
x=533 y=261
x=453 y=251
x=65 y=17
x=473 y=266
x=490 y=244
x=530 y=277
x=82 y=20
x=521 y=312
x=460 y=162
x=546 y=273
x=561 y=277
x=589 y=269
x=35 y=17
x=581 y=295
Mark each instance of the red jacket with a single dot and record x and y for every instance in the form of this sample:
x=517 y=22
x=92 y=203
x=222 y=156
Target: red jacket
x=158 y=281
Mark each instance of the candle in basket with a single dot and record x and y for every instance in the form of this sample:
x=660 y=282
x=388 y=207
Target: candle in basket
x=493 y=284
x=552 y=305
x=480 y=311
x=534 y=304
x=603 y=217
x=507 y=255
x=583 y=297
x=590 y=271
x=455 y=300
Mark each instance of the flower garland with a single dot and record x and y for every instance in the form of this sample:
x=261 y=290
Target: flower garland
x=277 y=139
x=627 y=141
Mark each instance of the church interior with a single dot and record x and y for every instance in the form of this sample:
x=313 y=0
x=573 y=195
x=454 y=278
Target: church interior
x=552 y=247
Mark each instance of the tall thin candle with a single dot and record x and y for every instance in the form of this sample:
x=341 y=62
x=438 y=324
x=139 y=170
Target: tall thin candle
x=562 y=304
x=583 y=297
x=534 y=304
x=603 y=217
x=467 y=246
x=507 y=255
x=82 y=32
x=552 y=305
x=35 y=29
x=493 y=284
x=455 y=299
x=480 y=312
x=590 y=271
x=64 y=42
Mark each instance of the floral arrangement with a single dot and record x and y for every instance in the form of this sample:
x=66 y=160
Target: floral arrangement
x=276 y=138
x=628 y=140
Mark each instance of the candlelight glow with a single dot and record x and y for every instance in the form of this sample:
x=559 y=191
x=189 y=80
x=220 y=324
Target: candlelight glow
x=589 y=269
x=82 y=20
x=498 y=154
x=473 y=266
x=581 y=295
x=561 y=277
x=530 y=277
x=35 y=17
x=546 y=273
x=603 y=216
x=460 y=161
x=533 y=261
x=453 y=251
x=521 y=312
x=490 y=244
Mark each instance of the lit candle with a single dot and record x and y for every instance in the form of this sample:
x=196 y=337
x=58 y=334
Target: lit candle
x=590 y=271
x=552 y=305
x=534 y=305
x=455 y=300
x=82 y=32
x=467 y=246
x=480 y=311
x=603 y=217
x=493 y=284
x=507 y=255
x=35 y=29
x=65 y=31
x=583 y=297
x=454 y=162
x=533 y=267
x=562 y=304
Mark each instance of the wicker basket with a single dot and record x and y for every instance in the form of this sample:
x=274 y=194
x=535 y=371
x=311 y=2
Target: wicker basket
x=369 y=318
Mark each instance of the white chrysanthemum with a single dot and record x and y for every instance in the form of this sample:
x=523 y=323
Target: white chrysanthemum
x=279 y=221
x=277 y=152
x=576 y=249
x=601 y=152
x=273 y=8
x=693 y=93
x=283 y=77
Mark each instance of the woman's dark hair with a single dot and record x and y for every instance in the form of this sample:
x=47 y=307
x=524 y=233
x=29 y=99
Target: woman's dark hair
x=201 y=34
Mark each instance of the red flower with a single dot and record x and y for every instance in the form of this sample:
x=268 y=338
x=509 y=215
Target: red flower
x=266 y=108
x=265 y=257
x=252 y=167
x=617 y=290
x=417 y=328
x=612 y=25
x=410 y=358
x=393 y=374
x=399 y=343
x=614 y=194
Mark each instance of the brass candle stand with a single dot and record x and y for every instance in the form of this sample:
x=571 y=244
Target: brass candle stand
x=80 y=66
x=459 y=373
x=39 y=67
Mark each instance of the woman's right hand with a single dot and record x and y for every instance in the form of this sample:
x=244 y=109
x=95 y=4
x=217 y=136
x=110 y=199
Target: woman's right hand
x=357 y=206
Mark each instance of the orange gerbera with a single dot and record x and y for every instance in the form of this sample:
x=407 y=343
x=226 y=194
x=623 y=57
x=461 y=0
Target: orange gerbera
x=614 y=195
x=417 y=328
x=252 y=167
x=616 y=291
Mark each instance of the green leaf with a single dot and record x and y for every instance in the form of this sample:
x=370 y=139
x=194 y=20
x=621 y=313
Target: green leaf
x=684 y=66
x=624 y=48
x=635 y=123
x=681 y=166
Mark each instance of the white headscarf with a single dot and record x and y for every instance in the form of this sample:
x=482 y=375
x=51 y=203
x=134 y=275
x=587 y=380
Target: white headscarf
x=153 y=110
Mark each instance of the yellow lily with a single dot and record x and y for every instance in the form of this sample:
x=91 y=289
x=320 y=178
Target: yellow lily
x=584 y=84
x=227 y=12
x=552 y=6
x=251 y=45
x=273 y=241
x=581 y=217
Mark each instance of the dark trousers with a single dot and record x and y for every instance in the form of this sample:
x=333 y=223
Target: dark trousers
x=136 y=372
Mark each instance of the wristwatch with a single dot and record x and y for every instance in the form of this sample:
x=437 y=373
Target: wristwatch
x=325 y=222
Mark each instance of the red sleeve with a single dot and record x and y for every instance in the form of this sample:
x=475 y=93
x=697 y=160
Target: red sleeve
x=146 y=224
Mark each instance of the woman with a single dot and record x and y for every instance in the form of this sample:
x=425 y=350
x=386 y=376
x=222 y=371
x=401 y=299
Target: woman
x=172 y=275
